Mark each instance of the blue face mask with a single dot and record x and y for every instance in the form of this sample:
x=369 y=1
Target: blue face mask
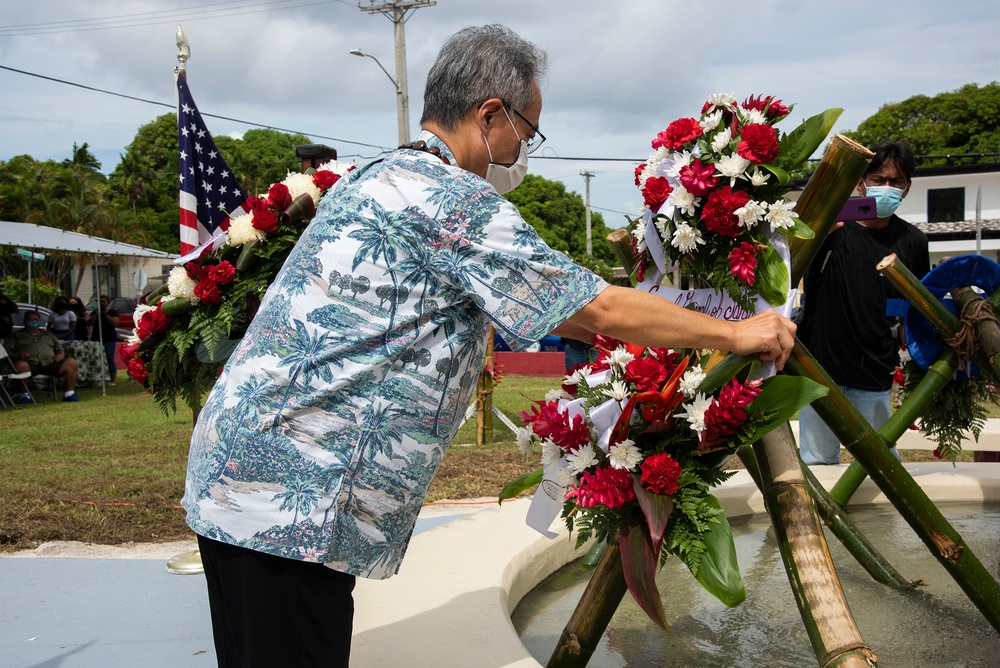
x=887 y=199
x=31 y=324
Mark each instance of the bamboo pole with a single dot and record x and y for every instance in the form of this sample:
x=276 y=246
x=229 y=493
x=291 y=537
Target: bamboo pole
x=871 y=450
x=834 y=635
x=843 y=164
x=586 y=625
x=620 y=244
x=987 y=331
x=484 y=398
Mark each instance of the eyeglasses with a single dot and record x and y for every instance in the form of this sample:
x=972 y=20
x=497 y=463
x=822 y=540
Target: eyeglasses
x=538 y=139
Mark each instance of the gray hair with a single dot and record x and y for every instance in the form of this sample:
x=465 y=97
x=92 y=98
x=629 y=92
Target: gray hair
x=476 y=64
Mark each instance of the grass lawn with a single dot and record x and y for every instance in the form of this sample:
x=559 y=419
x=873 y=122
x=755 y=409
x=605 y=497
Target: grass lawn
x=111 y=469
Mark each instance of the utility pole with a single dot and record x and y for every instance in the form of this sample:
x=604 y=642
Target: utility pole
x=587 y=175
x=397 y=10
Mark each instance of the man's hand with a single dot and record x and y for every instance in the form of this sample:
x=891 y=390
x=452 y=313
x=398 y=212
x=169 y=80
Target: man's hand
x=770 y=334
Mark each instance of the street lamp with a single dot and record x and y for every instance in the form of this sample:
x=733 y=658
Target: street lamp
x=402 y=99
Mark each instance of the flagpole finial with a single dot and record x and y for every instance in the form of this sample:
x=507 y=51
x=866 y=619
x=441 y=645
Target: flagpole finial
x=183 y=49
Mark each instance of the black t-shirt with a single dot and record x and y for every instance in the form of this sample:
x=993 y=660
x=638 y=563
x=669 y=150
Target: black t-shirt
x=107 y=324
x=844 y=323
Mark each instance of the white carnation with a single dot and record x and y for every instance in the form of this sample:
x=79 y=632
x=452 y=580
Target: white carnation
x=181 y=286
x=721 y=140
x=582 y=459
x=686 y=238
x=301 y=184
x=624 y=455
x=242 y=231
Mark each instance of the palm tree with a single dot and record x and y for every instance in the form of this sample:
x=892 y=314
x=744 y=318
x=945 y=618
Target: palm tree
x=377 y=436
x=305 y=357
x=301 y=494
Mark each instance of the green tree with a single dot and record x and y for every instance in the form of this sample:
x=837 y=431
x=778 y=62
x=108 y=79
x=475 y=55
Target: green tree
x=962 y=121
x=559 y=217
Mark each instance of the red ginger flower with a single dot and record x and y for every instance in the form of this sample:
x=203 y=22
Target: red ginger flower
x=646 y=373
x=698 y=179
x=606 y=486
x=743 y=262
x=547 y=421
x=769 y=106
x=718 y=211
x=656 y=191
x=660 y=473
x=728 y=413
x=678 y=133
x=758 y=143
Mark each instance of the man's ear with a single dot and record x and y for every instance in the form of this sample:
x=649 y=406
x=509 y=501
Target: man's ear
x=489 y=113
x=861 y=187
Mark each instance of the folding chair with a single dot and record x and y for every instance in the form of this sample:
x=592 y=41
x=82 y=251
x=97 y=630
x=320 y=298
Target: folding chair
x=9 y=372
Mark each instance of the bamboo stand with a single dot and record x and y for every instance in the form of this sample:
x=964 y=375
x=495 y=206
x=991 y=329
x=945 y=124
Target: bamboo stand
x=484 y=398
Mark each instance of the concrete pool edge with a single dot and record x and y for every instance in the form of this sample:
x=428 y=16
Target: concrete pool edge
x=450 y=604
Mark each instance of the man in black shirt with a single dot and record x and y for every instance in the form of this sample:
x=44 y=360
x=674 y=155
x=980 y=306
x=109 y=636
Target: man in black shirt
x=844 y=323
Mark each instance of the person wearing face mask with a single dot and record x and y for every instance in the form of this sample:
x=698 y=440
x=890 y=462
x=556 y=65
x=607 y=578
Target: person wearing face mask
x=844 y=323
x=40 y=352
x=315 y=449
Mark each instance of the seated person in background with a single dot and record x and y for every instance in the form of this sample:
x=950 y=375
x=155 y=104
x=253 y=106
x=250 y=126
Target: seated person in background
x=8 y=309
x=82 y=332
x=102 y=328
x=62 y=321
x=31 y=349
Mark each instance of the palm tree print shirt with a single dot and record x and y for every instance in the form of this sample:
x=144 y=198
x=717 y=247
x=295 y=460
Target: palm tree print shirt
x=321 y=437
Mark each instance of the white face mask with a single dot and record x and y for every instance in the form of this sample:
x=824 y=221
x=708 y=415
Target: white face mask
x=507 y=177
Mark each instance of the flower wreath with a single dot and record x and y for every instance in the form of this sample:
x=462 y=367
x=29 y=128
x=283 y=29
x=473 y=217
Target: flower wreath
x=187 y=328
x=632 y=444
x=714 y=196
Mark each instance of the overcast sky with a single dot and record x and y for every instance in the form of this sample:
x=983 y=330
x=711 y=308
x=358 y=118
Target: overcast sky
x=620 y=71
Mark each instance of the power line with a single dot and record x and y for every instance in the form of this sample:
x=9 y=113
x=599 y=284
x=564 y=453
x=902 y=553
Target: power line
x=171 y=106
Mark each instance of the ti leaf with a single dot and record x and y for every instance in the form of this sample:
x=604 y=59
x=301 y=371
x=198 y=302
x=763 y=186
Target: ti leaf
x=639 y=562
x=801 y=230
x=719 y=571
x=780 y=398
x=802 y=142
x=772 y=277
x=520 y=484
x=725 y=371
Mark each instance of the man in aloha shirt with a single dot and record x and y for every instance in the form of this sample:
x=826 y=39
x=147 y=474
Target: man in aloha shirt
x=320 y=439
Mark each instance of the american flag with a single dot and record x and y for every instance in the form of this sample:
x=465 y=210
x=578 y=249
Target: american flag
x=209 y=193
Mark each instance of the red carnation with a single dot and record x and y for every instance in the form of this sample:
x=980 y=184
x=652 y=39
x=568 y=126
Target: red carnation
x=547 y=421
x=137 y=370
x=898 y=378
x=660 y=473
x=678 y=133
x=128 y=352
x=698 y=179
x=656 y=192
x=718 y=211
x=743 y=262
x=638 y=172
x=152 y=322
x=279 y=196
x=324 y=179
x=208 y=292
x=222 y=273
x=606 y=486
x=728 y=413
x=646 y=373
x=769 y=106
x=758 y=143
x=265 y=220
x=256 y=204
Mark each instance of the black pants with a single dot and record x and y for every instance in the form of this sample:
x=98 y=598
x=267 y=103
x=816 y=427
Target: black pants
x=271 y=612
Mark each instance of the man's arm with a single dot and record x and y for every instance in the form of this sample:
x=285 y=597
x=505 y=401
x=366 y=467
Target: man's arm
x=645 y=319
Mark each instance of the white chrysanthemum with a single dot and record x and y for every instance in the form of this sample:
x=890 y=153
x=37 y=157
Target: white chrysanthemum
x=181 y=286
x=722 y=99
x=779 y=214
x=682 y=159
x=564 y=478
x=690 y=381
x=711 y=121
x=301 y=184
x=242 y=231
x=581 y=460
x=336 y=166
x=620 y=358
x=525 y=439
x=683 y=201
x=694 y=412
x=639 y=234
x=904 y=356
x=751 y=213
x=721 y=140
x=555 y=394
x=732 y=167
x=754 y=116
x=648 y=170
x=686 y=238
x=663 y=225
x=550 y=452
x=618 y=391
x=624 y=455
x=758 y=178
